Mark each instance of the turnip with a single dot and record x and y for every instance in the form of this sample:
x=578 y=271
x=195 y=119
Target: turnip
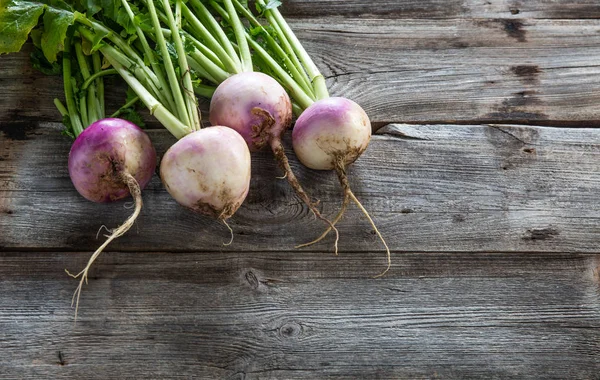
x=110 y=160
x=208 y=171
x=330 y=133
x=253 y=104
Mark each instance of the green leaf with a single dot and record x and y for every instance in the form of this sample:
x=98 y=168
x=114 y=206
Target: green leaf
x=39 y=62
x=271 y=4
x=122 y=18
x=56 y=23
x=68 y=131
x=17 y=19
x=91 y=7
x=133 y=116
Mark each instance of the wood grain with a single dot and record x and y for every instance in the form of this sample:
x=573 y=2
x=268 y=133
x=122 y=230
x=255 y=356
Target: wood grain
x=270 y=315
x=435 y=188
x=444 y=9
x=526 y=71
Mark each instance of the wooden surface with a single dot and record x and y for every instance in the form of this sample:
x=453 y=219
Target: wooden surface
x=494 y=225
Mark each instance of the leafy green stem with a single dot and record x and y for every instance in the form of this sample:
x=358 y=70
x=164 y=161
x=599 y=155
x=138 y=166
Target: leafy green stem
x=188 y=88
x=292 y=64
x=317 y=79
x=240 y=36
x=169 y=68
x=212 y=24
x=86 y=97
x=203 y=33
x=296 y=91
x=96 y=75
x=151 y=56
x=76 y=123
x=127 y=105
x=97 y=65
x=166 y=118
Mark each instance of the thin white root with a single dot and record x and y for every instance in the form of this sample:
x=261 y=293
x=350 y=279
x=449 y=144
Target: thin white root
x=389 y=255
x=136 y=193
x=283 y=177
x=231 y=231
x=338 y=217
x=102 y=227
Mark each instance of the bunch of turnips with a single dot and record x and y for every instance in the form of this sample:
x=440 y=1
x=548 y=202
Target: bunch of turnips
x=247 y=61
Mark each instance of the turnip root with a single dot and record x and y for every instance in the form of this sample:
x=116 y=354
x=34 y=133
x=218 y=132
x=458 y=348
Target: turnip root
x=330 y=135
x=258 y=107
x=111 y=160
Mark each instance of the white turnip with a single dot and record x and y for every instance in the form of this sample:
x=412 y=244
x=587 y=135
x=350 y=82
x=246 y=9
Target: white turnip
x=208 y=171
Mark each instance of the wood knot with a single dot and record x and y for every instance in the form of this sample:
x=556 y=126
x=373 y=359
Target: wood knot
x=290 y=330
x=515 y=29
x=252 y=279
x=541 y=234
x=459 y=218
x=61 y=359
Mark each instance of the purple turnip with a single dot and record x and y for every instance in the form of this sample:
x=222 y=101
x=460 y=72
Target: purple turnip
x=330 y=135
x=259 y=109
x=110 y=160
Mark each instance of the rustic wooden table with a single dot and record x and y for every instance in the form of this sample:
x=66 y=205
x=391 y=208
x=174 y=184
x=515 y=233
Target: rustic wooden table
x=484 y=176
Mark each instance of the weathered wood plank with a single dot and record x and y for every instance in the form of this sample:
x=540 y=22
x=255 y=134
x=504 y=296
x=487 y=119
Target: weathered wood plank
x=543 y=72
x=308 y=315
x=437 y=188
x=440 y=9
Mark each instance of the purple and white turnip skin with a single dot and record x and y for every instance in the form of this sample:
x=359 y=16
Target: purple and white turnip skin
x=111 y=160
x=260 y=110
x=332 y=133
x=104 y=154
x=255 y=105
x=208 y=171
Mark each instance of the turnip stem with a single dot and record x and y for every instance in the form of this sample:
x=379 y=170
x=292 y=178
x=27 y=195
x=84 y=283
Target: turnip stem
x=296 y=91
x=151 y=77
x=68 y=87
x=180 y=103
x=200 y=70
x=240 y=36
x=317 y=79
x=200 y=46
x=130 y=64
x=125 y=106
x=205 y=91
x=87 y=97
x=292 y=64
x=213 y=25
x=210 y=41
x=61 y=108
x=97 y=75
x=166 y=118
x=188 y=89
x=97 y=66
x=151 y=56
x=218 y=74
